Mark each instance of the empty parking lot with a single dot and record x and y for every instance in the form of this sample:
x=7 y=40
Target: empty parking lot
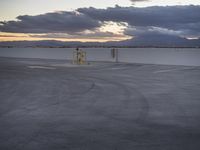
x=53 y=105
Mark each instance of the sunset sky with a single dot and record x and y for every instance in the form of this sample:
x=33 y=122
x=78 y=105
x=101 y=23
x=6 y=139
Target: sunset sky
x=98 y=20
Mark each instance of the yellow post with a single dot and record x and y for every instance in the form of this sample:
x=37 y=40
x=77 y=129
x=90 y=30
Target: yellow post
x=79 y=57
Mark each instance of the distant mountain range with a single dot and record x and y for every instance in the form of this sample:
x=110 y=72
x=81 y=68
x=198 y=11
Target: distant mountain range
x=168 y=41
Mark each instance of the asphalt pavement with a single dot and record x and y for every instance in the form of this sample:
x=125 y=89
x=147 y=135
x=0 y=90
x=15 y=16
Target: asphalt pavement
x=54 y=105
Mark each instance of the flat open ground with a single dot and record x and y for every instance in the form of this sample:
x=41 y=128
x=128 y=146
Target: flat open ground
x=52 y=105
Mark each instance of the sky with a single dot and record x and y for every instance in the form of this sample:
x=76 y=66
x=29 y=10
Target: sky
x=99 y=20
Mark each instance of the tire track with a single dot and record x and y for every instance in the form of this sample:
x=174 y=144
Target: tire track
x=126 y=103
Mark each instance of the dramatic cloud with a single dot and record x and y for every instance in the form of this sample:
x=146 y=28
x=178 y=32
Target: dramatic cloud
x=185 y=19
x=167 y=24
x=142 y=31
x=57 y=22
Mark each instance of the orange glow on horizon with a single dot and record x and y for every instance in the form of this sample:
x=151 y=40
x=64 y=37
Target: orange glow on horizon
x=27 y=37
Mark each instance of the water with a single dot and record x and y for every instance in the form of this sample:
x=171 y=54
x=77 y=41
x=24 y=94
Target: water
x=169 y=56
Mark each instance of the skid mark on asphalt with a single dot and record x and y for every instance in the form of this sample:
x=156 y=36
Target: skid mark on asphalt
x=124 y=105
